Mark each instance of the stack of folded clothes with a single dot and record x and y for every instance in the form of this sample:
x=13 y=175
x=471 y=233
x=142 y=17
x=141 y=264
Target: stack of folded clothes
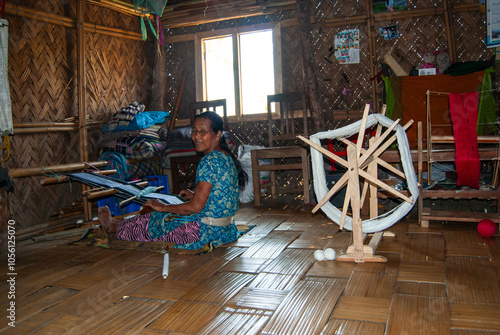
x=137 y=134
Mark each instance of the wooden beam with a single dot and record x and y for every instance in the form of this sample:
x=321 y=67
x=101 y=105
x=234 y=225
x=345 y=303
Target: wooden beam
x=82 y=112
x=310 y=78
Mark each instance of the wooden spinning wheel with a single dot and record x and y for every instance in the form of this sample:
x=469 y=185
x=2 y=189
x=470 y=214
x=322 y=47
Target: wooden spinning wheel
x=362 y=165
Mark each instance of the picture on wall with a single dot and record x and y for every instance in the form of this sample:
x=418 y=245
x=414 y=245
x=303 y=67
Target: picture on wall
x=347 y=46
x=383 y=6
x=389 y=32
x=492 y=23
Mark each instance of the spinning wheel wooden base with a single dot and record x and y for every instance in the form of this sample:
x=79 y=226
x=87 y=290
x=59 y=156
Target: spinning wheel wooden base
x=362 y=163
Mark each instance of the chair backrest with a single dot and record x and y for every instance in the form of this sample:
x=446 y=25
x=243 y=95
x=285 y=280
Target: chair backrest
x=213 y=106
x=288 y=126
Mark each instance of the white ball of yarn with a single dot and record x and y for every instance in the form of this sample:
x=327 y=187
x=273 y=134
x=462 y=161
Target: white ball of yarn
x=319 y=255
x=329 y=254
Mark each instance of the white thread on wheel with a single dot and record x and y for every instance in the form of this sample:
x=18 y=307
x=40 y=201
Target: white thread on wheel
x=385 y=220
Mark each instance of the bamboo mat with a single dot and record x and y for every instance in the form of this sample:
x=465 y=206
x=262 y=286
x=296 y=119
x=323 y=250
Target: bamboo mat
x=236 y=321
x=266 y=223
x=390 y=244
x=332 y=269
x=196 y=268
x=310 y=303
x=119 y=284
x=422 y=289
x=423 y=247
x=57 y=326
x=81 y=280
x=477 y=318
x=465 y=243
x=31 y=324
x=38 y=279
x=323 y=230
x=362 y=309
x=340 y=241
x=219 y=288
x=186 y=317
x=312 y=243
x=128 y=316
x=291 y=261
x=242 y=264
x=257 y=298
x=426 y=272
x=295 y=226
x=271 y=245
x=41 y=301
x=274 y=281
x=353 y=327
x=417 y=314
x=361 y=284
x=391 y=266
x=160 y=288
x=472 y=280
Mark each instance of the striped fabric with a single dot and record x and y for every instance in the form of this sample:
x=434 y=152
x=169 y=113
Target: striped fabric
x=136 y=229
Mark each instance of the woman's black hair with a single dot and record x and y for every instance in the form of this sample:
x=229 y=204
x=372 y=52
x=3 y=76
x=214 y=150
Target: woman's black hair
x=218 y=125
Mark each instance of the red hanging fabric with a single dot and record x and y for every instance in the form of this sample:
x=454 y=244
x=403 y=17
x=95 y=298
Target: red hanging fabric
x=463 y=112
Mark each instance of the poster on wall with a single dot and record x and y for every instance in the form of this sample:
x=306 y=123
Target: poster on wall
x=492 y=23
x=389 y=32
x=383 y=6
x=347 y=46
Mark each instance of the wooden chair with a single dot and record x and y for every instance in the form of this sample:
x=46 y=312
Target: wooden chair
x=287 y=106
x=213 y=106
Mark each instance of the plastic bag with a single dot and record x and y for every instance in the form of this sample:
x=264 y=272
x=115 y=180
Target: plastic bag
x=245 y=158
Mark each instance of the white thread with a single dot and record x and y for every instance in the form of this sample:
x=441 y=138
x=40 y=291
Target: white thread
x=383 y=221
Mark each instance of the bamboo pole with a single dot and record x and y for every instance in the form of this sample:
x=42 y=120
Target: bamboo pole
x=97 y=28
x=43 y=130
x=121 y=7
x=44 y=124
x=312 y=89
x=178 y=101
x=60 y=20
x=82 y=112
x=63 y=179
x=27 y=12
x=38 y=171
x=450 y=32
x=372 y=53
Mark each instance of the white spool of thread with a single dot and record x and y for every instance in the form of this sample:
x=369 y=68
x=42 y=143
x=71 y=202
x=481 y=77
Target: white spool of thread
x=329 y=254
x=165 y=266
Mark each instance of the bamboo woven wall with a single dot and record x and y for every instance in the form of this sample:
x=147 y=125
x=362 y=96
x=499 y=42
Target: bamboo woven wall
x=42 y=74
x=43 y=84
x=417 y=36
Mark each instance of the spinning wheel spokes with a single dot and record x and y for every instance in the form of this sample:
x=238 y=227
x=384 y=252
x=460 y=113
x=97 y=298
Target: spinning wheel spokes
x=362 y=165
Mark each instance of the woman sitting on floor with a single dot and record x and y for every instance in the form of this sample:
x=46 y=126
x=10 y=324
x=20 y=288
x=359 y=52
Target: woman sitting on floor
x=206 y=218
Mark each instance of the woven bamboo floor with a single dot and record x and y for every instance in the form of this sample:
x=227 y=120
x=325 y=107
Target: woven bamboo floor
x=438 y=280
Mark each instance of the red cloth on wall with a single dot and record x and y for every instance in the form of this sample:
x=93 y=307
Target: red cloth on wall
x=463 y=112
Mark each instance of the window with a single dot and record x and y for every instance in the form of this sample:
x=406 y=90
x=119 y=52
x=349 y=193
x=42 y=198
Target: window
x=239 y=67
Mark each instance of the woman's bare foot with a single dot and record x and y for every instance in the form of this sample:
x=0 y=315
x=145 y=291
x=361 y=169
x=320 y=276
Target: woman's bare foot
x=108 y=224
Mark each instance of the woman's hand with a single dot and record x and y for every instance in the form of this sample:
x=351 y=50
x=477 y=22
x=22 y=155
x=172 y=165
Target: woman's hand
x=186 y=194
x=153 y=205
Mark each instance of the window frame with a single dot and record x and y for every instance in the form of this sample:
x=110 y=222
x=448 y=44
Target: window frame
x=235 y=32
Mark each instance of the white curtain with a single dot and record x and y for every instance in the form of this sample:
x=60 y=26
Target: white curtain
x=6 y=126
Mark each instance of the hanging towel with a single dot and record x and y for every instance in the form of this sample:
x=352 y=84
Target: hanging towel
x=463 y=112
